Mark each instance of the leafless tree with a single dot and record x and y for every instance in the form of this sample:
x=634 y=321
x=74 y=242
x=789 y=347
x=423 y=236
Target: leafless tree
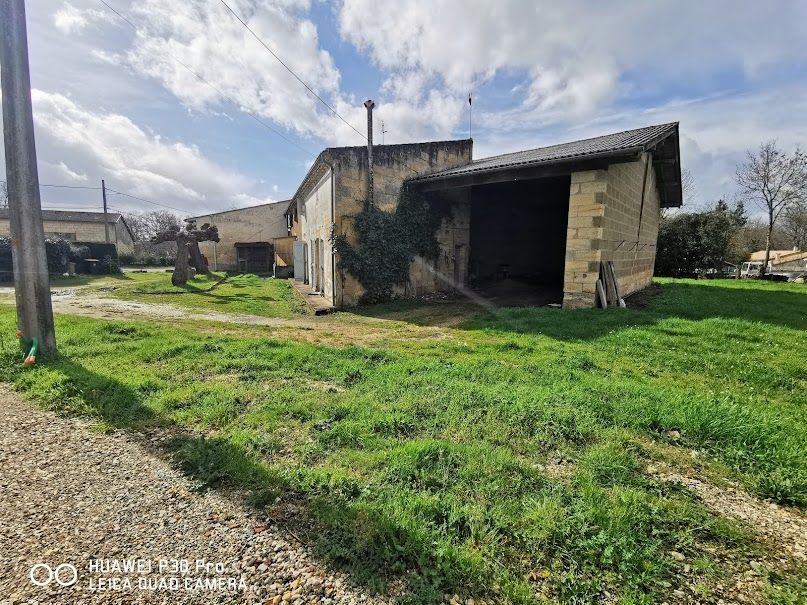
x=688 y=188
x=794 y=224
x=146 y=225
x=187 y=241
x=3 y=194
x=774 y=181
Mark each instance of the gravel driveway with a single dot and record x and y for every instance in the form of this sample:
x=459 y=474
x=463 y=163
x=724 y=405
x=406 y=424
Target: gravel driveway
x=99 y=502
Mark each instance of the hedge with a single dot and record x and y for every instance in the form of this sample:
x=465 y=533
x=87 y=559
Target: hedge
x=60 y=252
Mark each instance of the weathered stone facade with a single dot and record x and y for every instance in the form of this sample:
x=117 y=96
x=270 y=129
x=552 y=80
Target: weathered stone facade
x=613 y=216
x=345 y=169
x=83 y=231
x=261 y=223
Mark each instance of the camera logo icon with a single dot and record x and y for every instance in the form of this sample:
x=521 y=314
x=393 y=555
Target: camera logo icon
x=43 y=574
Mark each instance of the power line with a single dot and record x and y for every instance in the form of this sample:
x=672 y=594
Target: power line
x=289 y=69
x=72 y=187
x=142 y=199
x=217 y=89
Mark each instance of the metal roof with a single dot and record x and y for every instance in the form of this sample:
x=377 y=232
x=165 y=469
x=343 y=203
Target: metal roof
x=71 y=215
x=639 y=139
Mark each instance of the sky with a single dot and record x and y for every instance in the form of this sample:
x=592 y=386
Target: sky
x=182 y=106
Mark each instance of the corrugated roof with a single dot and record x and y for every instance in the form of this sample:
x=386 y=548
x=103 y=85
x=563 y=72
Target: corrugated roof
x=71 y=215
x=638 y=139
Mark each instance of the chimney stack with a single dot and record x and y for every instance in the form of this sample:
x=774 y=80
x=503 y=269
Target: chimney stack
x=369 y=105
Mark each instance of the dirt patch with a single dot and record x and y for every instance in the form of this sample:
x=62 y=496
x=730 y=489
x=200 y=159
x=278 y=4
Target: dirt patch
x=783 y=528
x=642 y=298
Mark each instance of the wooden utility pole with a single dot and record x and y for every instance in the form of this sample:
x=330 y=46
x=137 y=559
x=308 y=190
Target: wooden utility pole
x=106 y=216
x=34 y=312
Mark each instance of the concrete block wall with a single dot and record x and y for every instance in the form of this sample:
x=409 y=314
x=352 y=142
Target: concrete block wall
x=631 y=245
x=605 y=213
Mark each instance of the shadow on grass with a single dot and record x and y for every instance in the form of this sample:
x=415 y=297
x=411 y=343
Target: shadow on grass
x=782 y=305
x=59 y=281
x=335 y=528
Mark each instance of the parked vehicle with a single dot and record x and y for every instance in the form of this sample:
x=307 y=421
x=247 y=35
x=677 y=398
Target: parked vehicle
x=750 y=269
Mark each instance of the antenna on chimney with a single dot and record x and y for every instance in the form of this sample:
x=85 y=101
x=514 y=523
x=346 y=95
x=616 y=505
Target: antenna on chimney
x=470 y=116
x=369 y=105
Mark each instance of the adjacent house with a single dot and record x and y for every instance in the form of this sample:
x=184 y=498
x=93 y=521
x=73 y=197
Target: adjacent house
x=87 y=227
x=255 y=239
x=530 y=227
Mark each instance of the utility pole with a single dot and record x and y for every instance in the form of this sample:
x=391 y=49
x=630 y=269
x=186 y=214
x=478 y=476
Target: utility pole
x=106 y=216
x=369 y=105
x=32 y=291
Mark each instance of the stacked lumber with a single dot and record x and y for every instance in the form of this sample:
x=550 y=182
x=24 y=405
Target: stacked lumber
x=607 y=287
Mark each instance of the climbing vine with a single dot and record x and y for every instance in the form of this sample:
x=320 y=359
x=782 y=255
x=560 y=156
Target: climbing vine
x=387 y=243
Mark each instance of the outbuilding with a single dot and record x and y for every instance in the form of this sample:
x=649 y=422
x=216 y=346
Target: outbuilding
x=520 y=229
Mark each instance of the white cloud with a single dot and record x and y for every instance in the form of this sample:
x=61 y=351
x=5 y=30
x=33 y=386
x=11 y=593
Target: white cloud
x=70 y=19
x=111 y=146
x=70 y=175
x=576 y=55
x=207 y=38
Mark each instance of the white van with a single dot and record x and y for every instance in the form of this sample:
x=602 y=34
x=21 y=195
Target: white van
x=750 y=269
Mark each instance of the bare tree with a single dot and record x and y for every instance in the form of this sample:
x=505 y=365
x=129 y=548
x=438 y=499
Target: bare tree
x=688 y=190
x=146 y=225
x=3 y=194
x=794 y=224
x=773 y=180
x=187 y=241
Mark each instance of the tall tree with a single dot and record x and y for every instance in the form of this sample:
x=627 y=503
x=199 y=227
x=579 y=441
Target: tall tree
x=773 y=180
x=794 y=224
x=695 y=241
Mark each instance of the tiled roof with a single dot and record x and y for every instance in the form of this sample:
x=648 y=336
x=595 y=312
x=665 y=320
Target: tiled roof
x=70 y=215
x=639 y=139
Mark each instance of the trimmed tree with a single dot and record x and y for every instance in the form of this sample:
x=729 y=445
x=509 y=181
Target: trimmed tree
x=188 y=253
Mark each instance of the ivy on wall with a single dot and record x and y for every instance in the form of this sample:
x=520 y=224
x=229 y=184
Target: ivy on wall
x=387 y=243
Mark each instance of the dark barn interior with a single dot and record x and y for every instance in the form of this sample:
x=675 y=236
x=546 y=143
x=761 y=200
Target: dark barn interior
x=518 y=240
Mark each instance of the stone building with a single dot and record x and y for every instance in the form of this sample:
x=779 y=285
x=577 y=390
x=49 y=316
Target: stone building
x=87 y=227
x=526 y=228
x=333 y=193
x=253 y=239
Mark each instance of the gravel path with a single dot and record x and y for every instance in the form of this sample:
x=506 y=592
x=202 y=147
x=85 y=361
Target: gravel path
x=71 y=495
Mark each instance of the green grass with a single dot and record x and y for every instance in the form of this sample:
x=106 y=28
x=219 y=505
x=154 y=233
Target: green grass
x=506 y=460
x=247 y=294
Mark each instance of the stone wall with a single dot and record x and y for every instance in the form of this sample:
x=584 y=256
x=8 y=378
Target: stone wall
x=82 y=231
x=261 y=223
x=315 y=218
x=392 y=165
x=609 y=221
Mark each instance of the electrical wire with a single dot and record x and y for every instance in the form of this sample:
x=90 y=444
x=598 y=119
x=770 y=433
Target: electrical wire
x=218 y=90
x=290 y=70
x=142 y=199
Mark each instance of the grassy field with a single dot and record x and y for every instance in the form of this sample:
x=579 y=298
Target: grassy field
x=248 y=294
x=507 y=460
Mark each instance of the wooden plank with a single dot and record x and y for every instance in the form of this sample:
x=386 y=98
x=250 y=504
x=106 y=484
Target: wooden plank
x=601 y=295
x=616 y=283
x=608 y=284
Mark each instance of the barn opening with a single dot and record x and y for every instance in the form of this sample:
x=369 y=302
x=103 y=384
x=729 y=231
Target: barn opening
x=518 y=240
x=254 y=257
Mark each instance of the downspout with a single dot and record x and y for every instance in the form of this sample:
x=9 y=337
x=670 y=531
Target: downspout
x=333 y=232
